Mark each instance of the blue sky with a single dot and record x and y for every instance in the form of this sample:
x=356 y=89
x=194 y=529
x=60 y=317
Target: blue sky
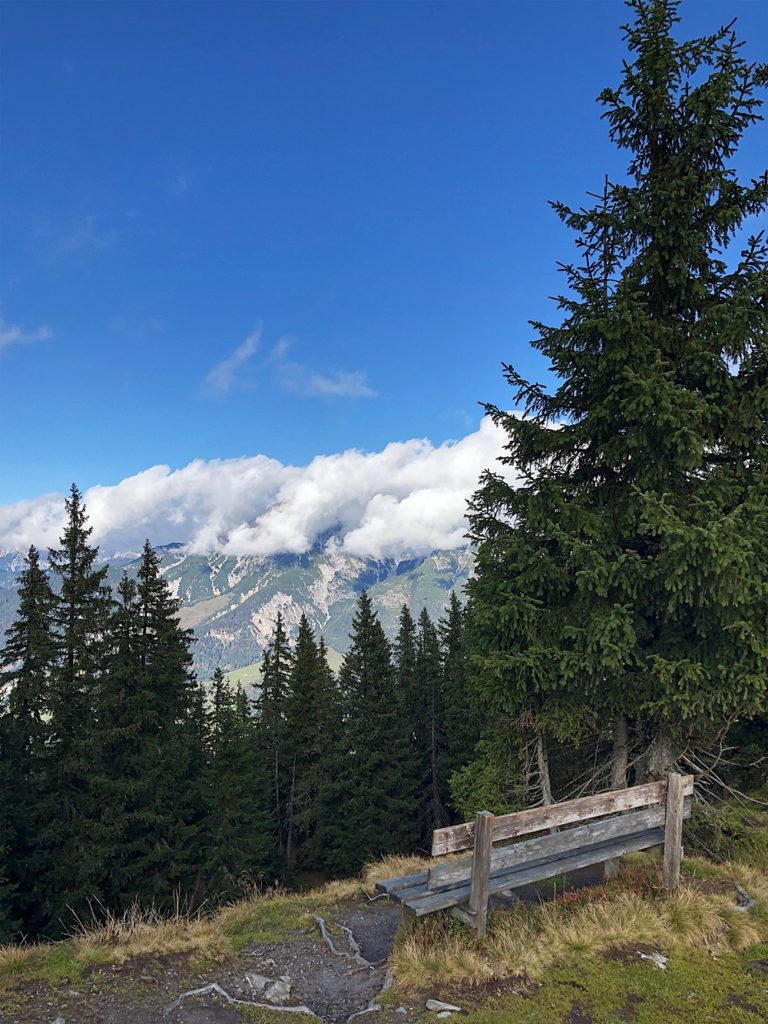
x=286 y=228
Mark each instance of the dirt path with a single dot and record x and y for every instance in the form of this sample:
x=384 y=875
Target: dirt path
x=138 y=992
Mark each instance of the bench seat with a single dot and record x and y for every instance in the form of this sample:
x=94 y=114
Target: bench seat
x=412 y=892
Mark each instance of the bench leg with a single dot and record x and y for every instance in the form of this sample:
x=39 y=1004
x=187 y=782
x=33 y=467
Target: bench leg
x=673 y=831
x=477 y=908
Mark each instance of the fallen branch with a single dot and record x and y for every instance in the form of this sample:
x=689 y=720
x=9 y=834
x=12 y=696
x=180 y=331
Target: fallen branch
x=219 y=991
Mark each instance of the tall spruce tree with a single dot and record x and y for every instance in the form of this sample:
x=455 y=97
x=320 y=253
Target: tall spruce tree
x=627 y=573
x=272 y=710
x=432 y=739
x=166 y=852
x=9 y=923
x=238 y=838
x=461 y=725
x=71 y=840
x=377 y=800
x=26 y=663
x=310 y=713
x=148 y=745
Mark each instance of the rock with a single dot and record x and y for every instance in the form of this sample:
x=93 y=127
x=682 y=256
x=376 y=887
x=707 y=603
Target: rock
x=658 y=959
x=445 y=1013
x=435 y=1004
x=279 y=992
x=73 y=993
x=259 y=982
x=757 y=967
x=59 y=1020
x=401 y=1009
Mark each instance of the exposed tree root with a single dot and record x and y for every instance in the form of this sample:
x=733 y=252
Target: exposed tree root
x=356 y=953
x=219 y=991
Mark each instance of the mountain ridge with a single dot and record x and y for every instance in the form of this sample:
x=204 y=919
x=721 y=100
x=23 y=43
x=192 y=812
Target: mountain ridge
x=231 y=601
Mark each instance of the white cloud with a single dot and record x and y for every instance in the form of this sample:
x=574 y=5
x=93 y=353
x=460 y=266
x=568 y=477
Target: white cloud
x=404 y=501
x=337 y=383
x=12 y=334
x=223 y=375
x=290 y=376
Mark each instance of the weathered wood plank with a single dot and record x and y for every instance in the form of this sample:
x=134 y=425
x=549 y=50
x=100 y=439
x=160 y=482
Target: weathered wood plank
x=458 y=871
x=673 y=832
x=538 y=819
x=477 y=907
x=390 y=885
x=427 y=902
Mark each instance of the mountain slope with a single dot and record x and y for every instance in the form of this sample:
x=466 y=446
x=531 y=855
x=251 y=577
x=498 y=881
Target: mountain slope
x=231 y=602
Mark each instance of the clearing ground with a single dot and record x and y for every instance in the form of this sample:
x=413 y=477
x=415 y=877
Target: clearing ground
x=590 y=954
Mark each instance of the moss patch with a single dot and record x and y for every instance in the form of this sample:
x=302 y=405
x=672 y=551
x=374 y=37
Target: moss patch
x=695 y=987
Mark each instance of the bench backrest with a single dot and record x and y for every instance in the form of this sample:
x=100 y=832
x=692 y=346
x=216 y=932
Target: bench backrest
x=539 y=819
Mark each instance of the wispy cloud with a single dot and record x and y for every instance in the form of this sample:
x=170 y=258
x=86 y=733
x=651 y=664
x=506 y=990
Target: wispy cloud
x=12 y=334
x=339 y=383
x=85 y=235
x=292 y=376
x=180 y=184
x=222 y=377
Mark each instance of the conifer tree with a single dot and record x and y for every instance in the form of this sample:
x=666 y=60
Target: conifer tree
x=430 y=682
x=272 y=709
x=460 y=719
x=26 y=662
x=626 y=574
x=379 y=804
x=309 y=723
x=322 y=822
x=237 y=835
x=9 y=923
x=149 y=748
x=71 y=839
x=166 y=850
x=126 y=724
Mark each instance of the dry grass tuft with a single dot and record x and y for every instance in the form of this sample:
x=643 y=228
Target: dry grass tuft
x=633 y=911
x=394 y=866
x=140 y=932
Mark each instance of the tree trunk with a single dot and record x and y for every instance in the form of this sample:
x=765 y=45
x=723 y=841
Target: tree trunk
x=290 y=852
x=542 y=759
x=618 y=777
x=619 y=759
x=661 y=755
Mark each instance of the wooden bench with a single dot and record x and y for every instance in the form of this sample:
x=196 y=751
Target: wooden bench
x=642 y=817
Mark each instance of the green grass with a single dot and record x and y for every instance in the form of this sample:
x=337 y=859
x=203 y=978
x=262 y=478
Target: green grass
x=696 y=987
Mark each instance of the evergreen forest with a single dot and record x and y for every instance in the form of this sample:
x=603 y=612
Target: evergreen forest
x=615 y=627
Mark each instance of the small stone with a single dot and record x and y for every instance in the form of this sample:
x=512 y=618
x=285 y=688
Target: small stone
x=401 y=1009
x=279 y=992
x=757 y=967
x=436 y=1004
x=73 y=993
x=59 y=1020
x=445 y=1013
x=148 y=978
x=259 y=982
x=658 y=959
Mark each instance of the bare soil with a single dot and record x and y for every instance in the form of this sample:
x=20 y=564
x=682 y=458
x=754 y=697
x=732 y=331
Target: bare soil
x=138 y=991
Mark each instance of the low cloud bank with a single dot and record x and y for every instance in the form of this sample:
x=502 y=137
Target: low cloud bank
x=404 y=501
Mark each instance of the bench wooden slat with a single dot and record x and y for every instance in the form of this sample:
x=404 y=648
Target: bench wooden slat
x=539 y=819
x=428 y=901
x=391 y=885
x=457 y=871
